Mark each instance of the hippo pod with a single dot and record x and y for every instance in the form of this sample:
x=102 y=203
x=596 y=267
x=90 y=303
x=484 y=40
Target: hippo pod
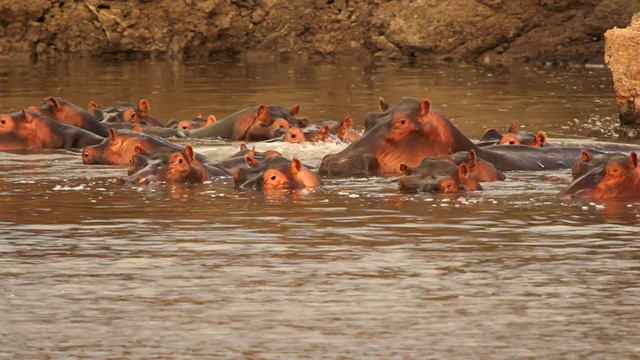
x=275 y=173
x=30 y=130
x=610 y=176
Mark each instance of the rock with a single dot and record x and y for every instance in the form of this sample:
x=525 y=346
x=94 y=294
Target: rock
x=622 y=47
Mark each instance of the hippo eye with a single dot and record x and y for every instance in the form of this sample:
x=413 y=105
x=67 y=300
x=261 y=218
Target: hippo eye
x=293 y=136
x=403 y=121
x=512 y=142
x=184 y=127
x=273 y=177
x=3 y=121
x=180 y=160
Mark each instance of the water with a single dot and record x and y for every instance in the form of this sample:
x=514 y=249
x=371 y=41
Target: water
x=354 y=269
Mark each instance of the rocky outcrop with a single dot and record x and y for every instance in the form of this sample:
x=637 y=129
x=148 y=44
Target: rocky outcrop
x=488 y=31
x=622 y=55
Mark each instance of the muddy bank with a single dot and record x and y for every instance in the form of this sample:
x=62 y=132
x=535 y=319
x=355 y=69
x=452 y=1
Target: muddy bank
x=487 y=31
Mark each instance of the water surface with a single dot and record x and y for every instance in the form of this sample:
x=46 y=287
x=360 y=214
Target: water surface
x=354 y=269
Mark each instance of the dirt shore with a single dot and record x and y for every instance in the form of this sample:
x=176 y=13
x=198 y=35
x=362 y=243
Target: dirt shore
x=486 y=31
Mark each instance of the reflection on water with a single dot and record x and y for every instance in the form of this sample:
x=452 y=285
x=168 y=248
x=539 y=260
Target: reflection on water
x=350 y=270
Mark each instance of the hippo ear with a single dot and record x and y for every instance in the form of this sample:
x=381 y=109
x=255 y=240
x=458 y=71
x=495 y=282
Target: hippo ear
x=112 y=133
x=325 y=129
x=405 y=169
x=425 y=107
x=294 y=110
x=210 y=120
x=188 y=152
x=633 y=160
x=243 y=146
x=472 y=159
x=173 y=123
x=93 y=105
x=383 y=104
x=251 y=161
x=296 y=166
x=54 y=102
x=252 y=152
x=27 y=115
x=540 y=140
x=139 y=150
x=347 y=122
x=463 y=170
x=271 y=153
x=586 y=156
x=513 y=129
x=144 y=106
x=262 y=114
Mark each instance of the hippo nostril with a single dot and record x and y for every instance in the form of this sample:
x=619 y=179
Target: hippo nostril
x=3 y=121
x=293 y=136
x=184 y=127
x=512 y=142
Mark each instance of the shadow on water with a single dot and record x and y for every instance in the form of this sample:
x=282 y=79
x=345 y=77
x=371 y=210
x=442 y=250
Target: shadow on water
x=353 y=269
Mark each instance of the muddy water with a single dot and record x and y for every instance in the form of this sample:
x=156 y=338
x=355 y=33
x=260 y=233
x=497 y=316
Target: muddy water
x=93 y=270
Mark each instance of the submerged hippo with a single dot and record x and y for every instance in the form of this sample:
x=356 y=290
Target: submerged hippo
x=254 y=123
x=71 y=114
x=122 y=145
x=276 y=173
x=30 y=130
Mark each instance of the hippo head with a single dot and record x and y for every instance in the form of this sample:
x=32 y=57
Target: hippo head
x=405 y=133
x=271 y=121
x=275 y=173
x=615 y=177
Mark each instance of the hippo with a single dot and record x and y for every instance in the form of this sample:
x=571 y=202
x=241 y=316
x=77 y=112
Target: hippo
x=405 y=133
x=71 y=114
x=618 y=177
x=431 y=168
x=479 y=169
x=297 y=135
x=411 y=130
x=587 y=162
x=119 y=148
x=162 y=132
x=192 y=124
x=31 y=130
x=254 y=123
x=245 y=151
x=539 y=140
x=275 y=173
x=176 y=166
x=438 y=176
x=513 y=137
